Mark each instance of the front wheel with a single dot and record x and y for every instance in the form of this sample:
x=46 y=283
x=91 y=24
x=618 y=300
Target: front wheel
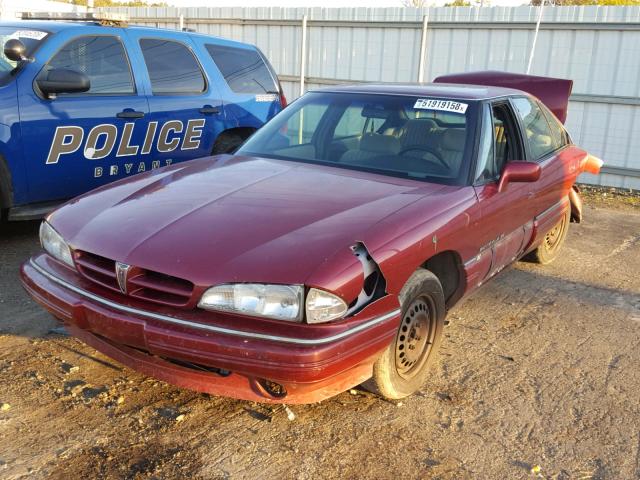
x=402 y=369
x=548 y=250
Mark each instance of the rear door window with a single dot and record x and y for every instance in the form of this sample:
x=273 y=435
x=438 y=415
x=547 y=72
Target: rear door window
x=102 y=58
x=244 y=70
x=537 y=131
x=172 y=67
x=559 y=135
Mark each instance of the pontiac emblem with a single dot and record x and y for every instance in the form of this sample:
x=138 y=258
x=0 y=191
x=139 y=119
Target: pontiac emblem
x=122 y=271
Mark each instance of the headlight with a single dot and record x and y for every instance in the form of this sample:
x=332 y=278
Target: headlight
x=280 y=302
x=54 y=244
x=324 y=306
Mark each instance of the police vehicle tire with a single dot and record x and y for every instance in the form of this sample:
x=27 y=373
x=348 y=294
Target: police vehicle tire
x=226 y=143
x=550 y=247
x=403 y=367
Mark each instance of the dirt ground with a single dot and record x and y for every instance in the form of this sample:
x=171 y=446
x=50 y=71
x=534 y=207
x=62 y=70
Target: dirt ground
x=538 y=377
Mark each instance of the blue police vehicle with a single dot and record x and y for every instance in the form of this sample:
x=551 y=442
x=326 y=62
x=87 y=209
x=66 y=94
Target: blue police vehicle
x=83 y=103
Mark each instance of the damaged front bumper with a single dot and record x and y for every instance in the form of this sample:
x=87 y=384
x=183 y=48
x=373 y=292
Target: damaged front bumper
x=222 y=355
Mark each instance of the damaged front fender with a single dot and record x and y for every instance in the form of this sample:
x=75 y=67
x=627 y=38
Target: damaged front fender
x=374 y=284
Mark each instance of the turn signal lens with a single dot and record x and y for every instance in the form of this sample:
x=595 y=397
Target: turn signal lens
x=323 y=306
x=54 y=244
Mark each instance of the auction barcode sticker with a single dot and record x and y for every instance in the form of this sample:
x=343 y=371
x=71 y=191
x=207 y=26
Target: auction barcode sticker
x=443 y=105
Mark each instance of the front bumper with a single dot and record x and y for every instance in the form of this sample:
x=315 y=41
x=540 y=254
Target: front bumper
x=310 y=362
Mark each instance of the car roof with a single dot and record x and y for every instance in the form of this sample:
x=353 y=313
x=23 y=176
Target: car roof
x=442 y=90
x=54 y=26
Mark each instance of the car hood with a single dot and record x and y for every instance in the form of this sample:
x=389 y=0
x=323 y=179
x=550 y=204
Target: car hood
x=225 y=219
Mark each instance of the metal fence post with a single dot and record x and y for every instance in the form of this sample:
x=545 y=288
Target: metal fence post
x=535 y=37
x=303 y=54
x=181 y=23
x=423 y=47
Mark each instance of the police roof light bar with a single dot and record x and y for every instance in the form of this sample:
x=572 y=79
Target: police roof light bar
x=111 y=19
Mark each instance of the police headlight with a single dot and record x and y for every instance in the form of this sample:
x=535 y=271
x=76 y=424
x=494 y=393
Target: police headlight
x=54 y=244
x=279 y=302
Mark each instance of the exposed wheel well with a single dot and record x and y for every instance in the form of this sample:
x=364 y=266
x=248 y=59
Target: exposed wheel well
x=447 y=266
x=229 y=140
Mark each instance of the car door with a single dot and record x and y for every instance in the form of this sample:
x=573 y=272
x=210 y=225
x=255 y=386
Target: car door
x=546 y=140
x=506 y=217
x=76 y=142
x=186 y=110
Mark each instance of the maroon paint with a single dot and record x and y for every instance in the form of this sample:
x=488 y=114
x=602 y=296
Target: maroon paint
x=553 y=92
x=225 y=219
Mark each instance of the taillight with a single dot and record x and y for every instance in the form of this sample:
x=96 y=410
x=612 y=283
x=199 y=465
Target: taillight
x=283 y=99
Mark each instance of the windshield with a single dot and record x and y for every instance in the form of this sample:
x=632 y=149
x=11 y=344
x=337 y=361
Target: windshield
x=31 y=40
x=416 y=137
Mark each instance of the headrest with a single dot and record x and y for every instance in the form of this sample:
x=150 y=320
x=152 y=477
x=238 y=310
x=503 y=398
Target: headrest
x=374 y=142
x=424 y=124
x=453 y=139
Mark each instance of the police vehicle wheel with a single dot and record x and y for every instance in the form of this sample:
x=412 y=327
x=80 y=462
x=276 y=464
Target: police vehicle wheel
x=403 y=367
x=226 y=143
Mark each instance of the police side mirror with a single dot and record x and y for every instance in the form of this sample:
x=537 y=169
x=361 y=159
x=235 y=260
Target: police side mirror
x=59 y=80
x=15 y=50
x=518 y=172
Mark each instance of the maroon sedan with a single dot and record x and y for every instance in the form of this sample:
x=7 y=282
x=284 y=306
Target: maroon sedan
x=326 y=251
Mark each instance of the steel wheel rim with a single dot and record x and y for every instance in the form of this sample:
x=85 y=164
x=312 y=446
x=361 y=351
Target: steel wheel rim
x=552 y=238
x=415 y=337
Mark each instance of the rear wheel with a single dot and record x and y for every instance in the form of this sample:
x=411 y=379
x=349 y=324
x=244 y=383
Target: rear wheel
x=402 y=369
x=230 y=140
x=549 y=249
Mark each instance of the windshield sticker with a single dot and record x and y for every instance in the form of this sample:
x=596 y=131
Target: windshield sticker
x=33 y=34
x=442 y=105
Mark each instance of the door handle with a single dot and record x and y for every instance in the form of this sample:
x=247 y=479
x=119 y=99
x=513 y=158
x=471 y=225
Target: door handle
x=130 y=113
x=209 y=110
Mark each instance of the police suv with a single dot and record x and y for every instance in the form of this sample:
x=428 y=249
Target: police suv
x=83 y=103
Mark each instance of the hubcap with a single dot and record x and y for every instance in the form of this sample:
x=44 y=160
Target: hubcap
x=552 y=238
x=414 y=338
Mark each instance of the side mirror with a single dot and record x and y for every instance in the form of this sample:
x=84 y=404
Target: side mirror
x=58 y=80
x=518 y=172
x=15 y=50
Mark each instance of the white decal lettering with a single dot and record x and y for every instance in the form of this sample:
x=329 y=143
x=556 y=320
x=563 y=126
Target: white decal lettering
x=97 y=172
x=91 y=149
x=66 y=140
x=141 y=167
x=155 y=164
x=164 y=143
x=148 y=139
x=128 y=167
x=125 y=149
x=192 y=134
x=113 y=170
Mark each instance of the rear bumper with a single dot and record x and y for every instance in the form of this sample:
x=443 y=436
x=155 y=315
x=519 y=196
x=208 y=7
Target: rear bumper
x=310 y=368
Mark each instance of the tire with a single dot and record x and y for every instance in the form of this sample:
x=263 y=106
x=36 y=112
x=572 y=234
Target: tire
x=226 y=143
x=403 y=367
x=550 y=247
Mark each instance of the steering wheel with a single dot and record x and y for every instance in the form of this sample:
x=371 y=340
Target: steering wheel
x=425 y=148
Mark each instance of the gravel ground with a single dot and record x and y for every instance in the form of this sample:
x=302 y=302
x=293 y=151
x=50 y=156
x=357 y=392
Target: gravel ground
x=538 y=377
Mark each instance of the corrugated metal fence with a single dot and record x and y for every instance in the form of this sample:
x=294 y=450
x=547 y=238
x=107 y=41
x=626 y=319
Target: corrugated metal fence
x=597 y=47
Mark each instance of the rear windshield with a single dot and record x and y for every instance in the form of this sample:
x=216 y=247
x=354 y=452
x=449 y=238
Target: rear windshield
x=244 y=70
x=31 y=39
x=416 y=137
